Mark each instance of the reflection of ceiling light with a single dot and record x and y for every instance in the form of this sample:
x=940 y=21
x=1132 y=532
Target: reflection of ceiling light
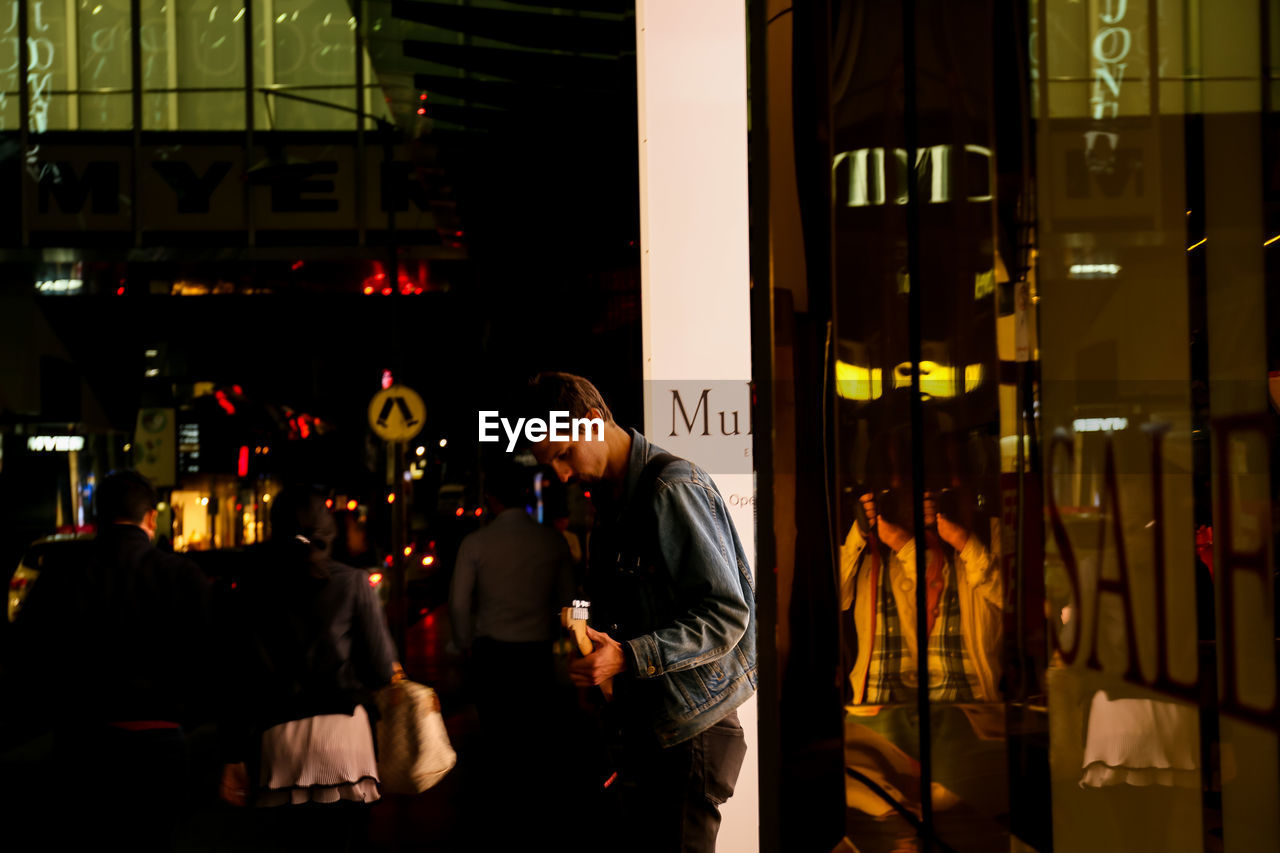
x=938 y=380
x=1099 y=424
x=152 y=372
x=151 y=353
x=858 y=383
x=854 y=382
x=1094 y=270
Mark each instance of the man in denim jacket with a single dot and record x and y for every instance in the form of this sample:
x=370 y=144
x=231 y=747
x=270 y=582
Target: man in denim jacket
x=673 y=607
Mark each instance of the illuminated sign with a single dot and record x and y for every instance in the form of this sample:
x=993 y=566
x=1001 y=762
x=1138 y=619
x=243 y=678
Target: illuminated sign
x=60 y=286
x=1110 y=48
x=189 y=448
x=55 y=443
x=867 y=174
x=1094 y=270
x=1099 y=424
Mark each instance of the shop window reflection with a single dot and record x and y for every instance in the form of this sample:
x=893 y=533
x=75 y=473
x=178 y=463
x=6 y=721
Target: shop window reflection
x=964 y=624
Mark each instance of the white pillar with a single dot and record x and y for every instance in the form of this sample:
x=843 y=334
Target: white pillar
x=691 y=62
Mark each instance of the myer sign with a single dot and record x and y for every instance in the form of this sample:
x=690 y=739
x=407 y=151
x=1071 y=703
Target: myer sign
x=55 y=443
x=82 y=187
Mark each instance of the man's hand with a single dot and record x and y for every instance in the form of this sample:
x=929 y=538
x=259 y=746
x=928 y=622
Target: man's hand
x=890 y=534
x=235 y=784
x=602 y=664
x=953 y=534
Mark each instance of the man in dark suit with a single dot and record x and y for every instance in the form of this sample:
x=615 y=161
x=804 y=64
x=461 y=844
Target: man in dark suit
x=120 y=647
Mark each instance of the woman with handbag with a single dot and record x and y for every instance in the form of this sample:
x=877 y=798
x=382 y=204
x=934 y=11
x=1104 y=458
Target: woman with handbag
x=308 y=646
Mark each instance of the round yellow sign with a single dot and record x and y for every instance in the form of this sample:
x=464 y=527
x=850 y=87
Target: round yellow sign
x=397 y=413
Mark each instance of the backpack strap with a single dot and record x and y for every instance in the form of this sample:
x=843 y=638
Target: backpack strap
x=649 y=476
x=639 y=514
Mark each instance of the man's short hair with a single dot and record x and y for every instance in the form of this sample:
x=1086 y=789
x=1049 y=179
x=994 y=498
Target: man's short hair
x=125 y=496
x=561 y=392
x=508 y=483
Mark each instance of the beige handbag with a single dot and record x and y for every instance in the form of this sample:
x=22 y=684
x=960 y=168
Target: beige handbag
x=414 y=752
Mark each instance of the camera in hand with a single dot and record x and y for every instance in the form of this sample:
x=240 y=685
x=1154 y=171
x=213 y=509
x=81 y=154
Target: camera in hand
x=947 y=502
x=894 y=506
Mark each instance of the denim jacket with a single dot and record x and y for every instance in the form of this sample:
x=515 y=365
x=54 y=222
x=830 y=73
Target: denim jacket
x=681 y=600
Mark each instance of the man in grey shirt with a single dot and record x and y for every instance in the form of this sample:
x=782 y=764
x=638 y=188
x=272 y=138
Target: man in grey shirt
x=509 y=582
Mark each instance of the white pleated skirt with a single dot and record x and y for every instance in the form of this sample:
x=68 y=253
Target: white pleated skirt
x=1141 y=742
x=320 y=759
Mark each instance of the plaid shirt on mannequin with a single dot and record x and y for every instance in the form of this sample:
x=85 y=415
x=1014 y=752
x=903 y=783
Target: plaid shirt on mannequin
x=893 y=671
x=969 y=578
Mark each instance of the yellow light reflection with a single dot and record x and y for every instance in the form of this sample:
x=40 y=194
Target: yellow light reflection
x=939 y=380
x=858 y=383
x=972 y=377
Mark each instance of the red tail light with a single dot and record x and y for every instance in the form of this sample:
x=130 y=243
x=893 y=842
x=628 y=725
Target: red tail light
x=17 y=584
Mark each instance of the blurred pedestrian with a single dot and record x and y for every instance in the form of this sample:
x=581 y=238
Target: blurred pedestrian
x=510 y=580
x=121 y=644
x=308 y=642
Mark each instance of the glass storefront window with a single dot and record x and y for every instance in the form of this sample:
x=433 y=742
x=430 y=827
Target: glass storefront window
x=99 y=97
x=305 y=48
x=9 y=64
x=1063 y=217
x=193 y=65
x=193 y=72
x=50 y=74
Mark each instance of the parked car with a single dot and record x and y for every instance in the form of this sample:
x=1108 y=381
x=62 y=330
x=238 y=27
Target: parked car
x=50 y=554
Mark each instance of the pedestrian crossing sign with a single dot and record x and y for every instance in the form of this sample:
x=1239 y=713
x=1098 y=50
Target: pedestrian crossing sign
x=397 y=413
